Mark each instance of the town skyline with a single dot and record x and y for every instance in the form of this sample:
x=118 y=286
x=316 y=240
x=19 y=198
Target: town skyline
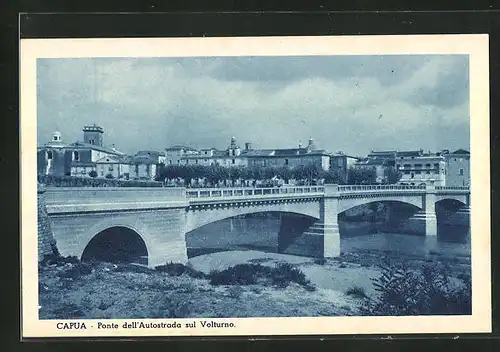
x=271 y=102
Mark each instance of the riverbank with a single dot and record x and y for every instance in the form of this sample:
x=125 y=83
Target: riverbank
x=338 y=287
x=124 y=291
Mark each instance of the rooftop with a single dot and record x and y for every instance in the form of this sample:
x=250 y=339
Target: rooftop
x=81 y=144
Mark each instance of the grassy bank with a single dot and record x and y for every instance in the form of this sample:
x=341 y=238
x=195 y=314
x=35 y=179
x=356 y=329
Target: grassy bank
x=354 y=284
x=101 y=290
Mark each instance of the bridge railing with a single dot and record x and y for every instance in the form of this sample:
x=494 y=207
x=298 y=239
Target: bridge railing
x=350 y=188
x=452 y=188
x=244 y=192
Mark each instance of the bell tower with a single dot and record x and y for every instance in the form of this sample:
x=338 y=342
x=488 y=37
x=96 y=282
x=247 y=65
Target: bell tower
x=92 y=134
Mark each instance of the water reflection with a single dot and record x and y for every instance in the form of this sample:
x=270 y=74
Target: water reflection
x=261 y=233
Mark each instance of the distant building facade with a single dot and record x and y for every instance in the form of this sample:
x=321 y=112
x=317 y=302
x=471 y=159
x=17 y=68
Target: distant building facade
x=234 y=156
x=175 y=154
x=457 y=167
x=82 y=158
x=341 y=163
x=419 y=168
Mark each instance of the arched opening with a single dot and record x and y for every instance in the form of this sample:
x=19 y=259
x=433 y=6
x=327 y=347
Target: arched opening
x=374 y=217
x=117 y=245
x=260 y=231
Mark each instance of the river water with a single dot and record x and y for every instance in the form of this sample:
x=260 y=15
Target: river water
x=261 y=233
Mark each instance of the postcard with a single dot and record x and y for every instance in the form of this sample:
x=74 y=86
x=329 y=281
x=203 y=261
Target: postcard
x=255 y=186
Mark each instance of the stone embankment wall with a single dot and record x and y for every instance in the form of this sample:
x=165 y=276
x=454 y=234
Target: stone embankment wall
x=46 y=241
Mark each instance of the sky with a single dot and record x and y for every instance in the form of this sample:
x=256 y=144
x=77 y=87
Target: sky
x=352 y=104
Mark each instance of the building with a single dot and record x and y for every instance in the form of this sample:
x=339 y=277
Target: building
x=156 y=155
x=341 y=163
x=289 y=158
x=175 y=153
x=234 y=156
x=379 y=165
x=419 y=168
x=75 y=159
x=230 y=157
x=113 y=166
x=457 y=167
x=83 y=158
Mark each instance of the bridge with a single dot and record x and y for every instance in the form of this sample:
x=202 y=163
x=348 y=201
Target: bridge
x=151 y=223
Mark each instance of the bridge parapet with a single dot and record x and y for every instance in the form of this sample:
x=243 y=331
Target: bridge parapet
x=60 y=200
x=214 y=194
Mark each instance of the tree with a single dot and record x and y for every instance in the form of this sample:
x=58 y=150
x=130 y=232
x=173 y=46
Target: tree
x=331 y=176
x=361 y=176
x=284 y=173
x=392 y=175
x=93 y=173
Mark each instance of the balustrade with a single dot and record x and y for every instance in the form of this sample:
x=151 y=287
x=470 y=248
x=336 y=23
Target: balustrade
x=243 y=192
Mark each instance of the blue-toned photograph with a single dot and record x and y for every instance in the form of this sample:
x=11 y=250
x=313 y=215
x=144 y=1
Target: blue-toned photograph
x=253 y=186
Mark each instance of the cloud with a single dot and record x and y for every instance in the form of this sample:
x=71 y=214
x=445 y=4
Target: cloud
x=353 y=104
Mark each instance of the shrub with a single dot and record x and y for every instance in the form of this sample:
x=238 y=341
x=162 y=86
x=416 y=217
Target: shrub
x=419 y=292
x=76 y=271
x=248 y=274
x=177 y=269
x=58 y=260
x=73 y=181
x=109 y=176
x=93 y=173
x=356 y=291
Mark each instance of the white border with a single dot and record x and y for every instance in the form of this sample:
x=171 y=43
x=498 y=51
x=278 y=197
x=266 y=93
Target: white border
x=476 y=46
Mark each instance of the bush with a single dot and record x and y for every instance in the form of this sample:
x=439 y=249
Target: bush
x=93 y=173
x=76 y=271
x=58 y=260
x=419 y=292
x=177 y=269
x=110 y=176
x=72 y=181
x=356 y=291
x=248 y=274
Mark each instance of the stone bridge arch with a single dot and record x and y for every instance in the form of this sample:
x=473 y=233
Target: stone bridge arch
x=352 y=202
x=88 y=236
x=197 y=217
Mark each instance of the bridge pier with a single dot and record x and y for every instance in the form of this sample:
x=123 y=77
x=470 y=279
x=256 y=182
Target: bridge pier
x=325 y=233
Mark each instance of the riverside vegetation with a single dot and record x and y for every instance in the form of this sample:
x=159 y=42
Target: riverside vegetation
x=69 y=288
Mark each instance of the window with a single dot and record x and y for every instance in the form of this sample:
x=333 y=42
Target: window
x=55 y=138
x=49 y=154
x=233 y=161
x=428 y=172
x=205 y=160
x=412 y=175
x=76 y=156
x=427 y=165
x=418 y=165
x=206 y=152
x=436 y=166
x=417 y=172
x=407 y=166
x=187 y=161
x=91 y=141
x=196 y=161
x=178 y=161
x=461 y=172
x=170 y=162
x=407 y=172
x=286 y=161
